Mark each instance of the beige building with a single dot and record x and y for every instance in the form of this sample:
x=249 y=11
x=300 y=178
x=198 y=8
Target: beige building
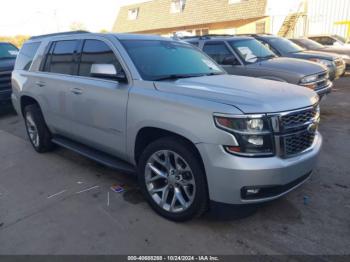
x=195 y=17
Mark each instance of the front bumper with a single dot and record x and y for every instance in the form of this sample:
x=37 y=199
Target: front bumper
x=5 y=96
x=325 y=90
x=228 y=175
x=336 y=72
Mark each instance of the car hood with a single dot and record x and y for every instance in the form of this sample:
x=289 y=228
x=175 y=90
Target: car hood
x=250 y=95
x=314 y=54
x=337 y=50
x=7 y=64
x=294 y=65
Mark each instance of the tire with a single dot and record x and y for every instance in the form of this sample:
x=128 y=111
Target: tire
x=187 y=183
x=37 y=131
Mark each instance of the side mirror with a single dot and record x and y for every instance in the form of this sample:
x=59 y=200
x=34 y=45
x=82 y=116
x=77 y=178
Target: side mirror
x=230 y=60
x=107 y=71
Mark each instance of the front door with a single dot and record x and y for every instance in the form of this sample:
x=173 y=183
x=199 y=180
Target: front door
x=219 y=51
x=98 y=105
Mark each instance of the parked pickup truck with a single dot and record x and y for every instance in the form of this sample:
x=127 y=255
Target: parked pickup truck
x=8 y=53
x=308 y=44
x=163 y=109
x=286 y=48
x=240 y=55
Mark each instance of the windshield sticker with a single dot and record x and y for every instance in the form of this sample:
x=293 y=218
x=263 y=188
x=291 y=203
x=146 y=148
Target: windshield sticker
x=247 y=54
x=211 y=65
x=11 y=52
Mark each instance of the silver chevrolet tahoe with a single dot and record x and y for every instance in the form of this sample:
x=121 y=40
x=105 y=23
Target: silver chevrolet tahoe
x=194 y=134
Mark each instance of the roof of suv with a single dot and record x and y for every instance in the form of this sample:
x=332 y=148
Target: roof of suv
x=122 y=36
x=213 y=37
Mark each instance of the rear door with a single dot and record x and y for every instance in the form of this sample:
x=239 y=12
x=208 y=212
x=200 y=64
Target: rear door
x=56 y=82
x=97 y=106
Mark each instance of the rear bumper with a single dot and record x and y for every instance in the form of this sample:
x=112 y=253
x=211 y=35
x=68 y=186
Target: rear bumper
x=228 y=175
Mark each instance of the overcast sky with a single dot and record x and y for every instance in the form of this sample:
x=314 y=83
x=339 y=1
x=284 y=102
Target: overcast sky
x=33 y=17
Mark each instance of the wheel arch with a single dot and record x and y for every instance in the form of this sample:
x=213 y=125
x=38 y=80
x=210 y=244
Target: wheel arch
x=26 y=100
x=147 y=135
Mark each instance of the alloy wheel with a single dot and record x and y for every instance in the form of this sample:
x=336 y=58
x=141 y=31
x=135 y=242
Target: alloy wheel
x=170 y=181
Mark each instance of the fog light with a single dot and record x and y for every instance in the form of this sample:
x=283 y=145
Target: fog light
x=256 y=140
x=253 y=191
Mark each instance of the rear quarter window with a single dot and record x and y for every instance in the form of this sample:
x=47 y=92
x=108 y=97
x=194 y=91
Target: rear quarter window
x=26 y=55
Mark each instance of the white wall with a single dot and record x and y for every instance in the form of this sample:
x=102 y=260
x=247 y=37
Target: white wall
x=322 y=14
x=278 y=11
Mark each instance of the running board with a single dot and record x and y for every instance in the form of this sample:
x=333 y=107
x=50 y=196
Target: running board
x=95 y=155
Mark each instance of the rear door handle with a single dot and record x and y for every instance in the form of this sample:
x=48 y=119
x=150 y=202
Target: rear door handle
x=40 y=83
x=77 y=91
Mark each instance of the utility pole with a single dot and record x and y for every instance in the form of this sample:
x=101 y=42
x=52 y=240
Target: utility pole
x=56 y=20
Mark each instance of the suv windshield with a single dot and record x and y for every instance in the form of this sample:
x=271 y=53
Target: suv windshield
x=161 y=59
x=8 y=51
x=310 y=44
x=284 y=45
x=340 y=39
x=251 y=50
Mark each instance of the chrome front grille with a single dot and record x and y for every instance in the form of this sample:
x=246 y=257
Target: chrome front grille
x=297 y=143
x=295 y=131
x=298 y=118
x=322 y=80
x=5 y=80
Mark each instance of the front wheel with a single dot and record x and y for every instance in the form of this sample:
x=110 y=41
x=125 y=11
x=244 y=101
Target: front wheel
x=173 y=180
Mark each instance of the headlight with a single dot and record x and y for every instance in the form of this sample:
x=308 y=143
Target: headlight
x=324 y=62
x=253 y=134
x=309 y=79
x=345 y=56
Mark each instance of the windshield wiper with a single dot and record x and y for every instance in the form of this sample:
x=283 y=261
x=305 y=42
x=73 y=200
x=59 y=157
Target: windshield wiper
x=266 y=57
x=7 y=57
x=179 y=76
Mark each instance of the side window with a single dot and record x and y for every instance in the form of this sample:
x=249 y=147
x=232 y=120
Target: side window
x=270 y=47
x=194 y=43
x=26 y=55
x=217 y=50
x=61 y=60
x=328 y=41
x=96 y=52
x=317 y=39
x=47 y=61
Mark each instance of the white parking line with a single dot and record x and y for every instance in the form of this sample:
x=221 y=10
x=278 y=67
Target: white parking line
x=108 y=199
x=88 y=189
x=57 y=194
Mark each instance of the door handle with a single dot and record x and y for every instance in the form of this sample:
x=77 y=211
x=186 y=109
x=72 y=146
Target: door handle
x=40 y=83
x=77 y=91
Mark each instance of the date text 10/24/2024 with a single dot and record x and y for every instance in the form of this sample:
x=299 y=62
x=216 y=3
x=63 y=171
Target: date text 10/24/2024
x=173 y=258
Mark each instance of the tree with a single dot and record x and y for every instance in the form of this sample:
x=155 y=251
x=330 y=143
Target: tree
x=76 y=26
x=17 y=40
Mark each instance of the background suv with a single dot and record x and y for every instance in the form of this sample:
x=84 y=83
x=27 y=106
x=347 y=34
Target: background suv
x=166 y=110
x=8 y=54
x=330 y=40
x=286 y=48
x=240 y=55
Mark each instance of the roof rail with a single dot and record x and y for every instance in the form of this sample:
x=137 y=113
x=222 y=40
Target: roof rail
x=61 y=33
x=253 y=34
x=208 y=36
